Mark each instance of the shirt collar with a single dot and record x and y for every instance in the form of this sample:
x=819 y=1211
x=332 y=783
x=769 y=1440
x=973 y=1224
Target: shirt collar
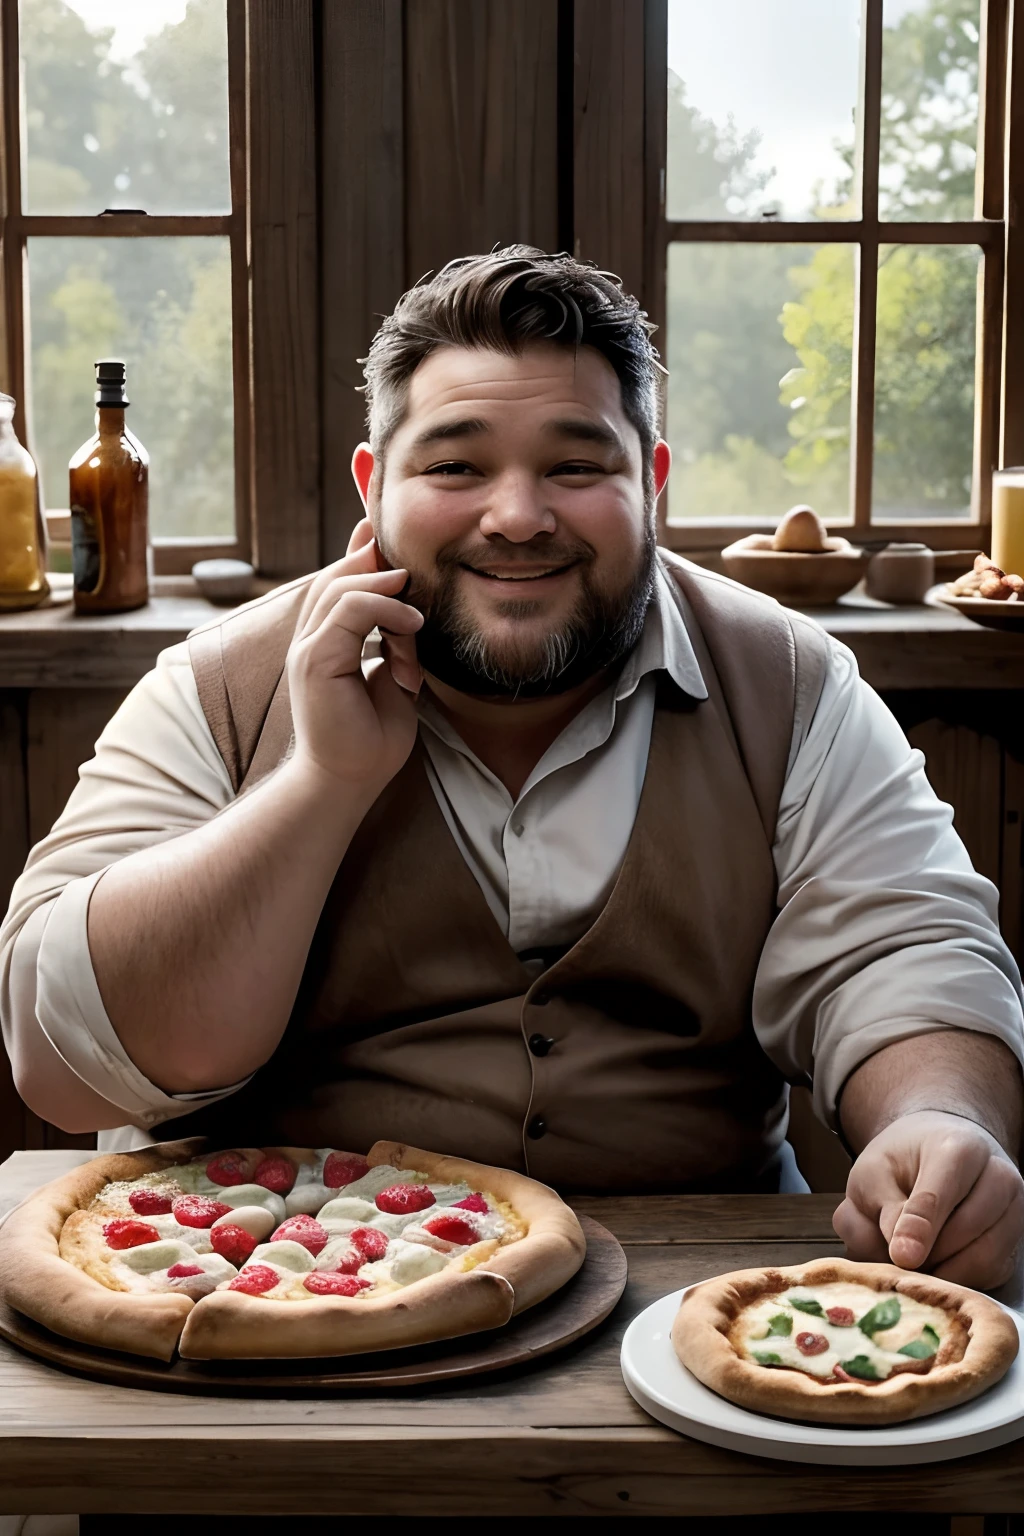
x=664 y=644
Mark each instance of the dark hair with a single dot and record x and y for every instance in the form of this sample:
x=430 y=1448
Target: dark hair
x=505 y=301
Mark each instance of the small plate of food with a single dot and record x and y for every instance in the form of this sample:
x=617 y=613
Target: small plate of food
x=831 y=1362
x=986 y=594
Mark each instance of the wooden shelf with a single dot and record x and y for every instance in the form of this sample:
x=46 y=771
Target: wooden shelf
x=930 y=646
x=53 y=647
x=896 y=648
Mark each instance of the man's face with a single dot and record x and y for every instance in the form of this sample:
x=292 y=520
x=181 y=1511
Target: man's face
x=513 y=493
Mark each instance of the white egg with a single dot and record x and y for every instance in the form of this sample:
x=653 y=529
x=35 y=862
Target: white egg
x=254 y=1219
x=283 y=1255
x=306 y=1199
x=237 y=1195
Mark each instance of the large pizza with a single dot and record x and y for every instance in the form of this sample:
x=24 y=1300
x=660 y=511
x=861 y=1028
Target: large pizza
x=839 y=1342
x=283 y=1252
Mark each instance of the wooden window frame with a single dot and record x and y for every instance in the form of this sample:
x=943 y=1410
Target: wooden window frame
x=999 y=183
x=272 y=230
x=171 y=555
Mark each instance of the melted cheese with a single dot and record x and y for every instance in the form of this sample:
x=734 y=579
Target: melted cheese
x=880 y=1349
x=412 y=1253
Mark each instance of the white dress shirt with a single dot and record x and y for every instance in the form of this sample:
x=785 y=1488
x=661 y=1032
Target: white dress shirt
x=884 y=930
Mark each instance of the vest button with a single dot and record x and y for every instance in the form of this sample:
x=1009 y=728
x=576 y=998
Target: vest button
x=540 y=1044
x=537 y=1128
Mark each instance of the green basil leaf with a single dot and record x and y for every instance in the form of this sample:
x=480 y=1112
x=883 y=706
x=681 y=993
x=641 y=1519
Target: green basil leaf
x=806 y=1304
x=767 y=1357
x=781 y=1323
x=924 y=1347
x=886 y=1314
x=861 y=1367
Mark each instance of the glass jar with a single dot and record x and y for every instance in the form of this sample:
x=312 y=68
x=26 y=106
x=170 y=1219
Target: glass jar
x=23 y=582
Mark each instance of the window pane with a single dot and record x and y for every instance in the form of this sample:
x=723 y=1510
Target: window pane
x=164 y=306
x=126 y=105
x=924 y=380
x=759 y=358
x=929 y=133
x=762 y=96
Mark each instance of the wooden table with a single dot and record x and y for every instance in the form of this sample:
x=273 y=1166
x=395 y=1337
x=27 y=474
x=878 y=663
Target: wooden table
x=563 y=1438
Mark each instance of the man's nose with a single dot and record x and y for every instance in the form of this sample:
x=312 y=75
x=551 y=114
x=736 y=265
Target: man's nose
x=518 y=510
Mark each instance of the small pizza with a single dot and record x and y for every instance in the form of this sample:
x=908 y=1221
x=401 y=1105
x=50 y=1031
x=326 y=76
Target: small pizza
x=843 y=1343
x=283 y=1252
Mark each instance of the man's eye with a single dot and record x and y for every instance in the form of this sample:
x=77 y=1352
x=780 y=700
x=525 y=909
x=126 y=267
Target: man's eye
x=575 y=468
x=453 y=468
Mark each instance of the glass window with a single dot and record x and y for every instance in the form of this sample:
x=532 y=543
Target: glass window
x=759 y=358
x=929 y=130
x=762 y=96
x=164 y=305
x=126 y=106
x=924 y=381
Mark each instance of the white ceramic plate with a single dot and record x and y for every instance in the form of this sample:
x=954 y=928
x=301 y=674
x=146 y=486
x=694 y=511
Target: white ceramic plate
x=665 y=1388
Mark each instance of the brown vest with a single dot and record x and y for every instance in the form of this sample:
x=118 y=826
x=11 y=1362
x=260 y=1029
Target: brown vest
x=414 y=1015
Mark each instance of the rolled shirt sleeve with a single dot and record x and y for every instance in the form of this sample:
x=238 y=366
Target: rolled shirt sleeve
x=885 y=931
x=156 y=774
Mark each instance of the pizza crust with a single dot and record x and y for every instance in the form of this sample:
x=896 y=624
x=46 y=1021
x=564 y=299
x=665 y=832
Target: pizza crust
x=554 y=1246
x=981 y=1345
x=448 y=1305
x=37 y=1281
x=227 y=1325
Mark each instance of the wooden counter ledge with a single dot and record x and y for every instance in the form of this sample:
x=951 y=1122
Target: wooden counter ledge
x=896 y=648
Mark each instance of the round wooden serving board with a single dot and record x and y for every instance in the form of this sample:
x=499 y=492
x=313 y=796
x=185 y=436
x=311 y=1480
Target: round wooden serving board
x=573 y=1311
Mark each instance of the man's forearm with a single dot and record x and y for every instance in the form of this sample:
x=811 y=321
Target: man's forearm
x=956 y=1071
x=198 y=945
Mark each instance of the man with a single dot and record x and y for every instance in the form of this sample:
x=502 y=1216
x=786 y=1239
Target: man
x=593 y=856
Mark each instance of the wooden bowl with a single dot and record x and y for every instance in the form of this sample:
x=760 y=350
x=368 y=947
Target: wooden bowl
x=801 y=581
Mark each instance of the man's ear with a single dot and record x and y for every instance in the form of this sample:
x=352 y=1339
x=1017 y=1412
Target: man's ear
x=662 y=465
x=362 y=471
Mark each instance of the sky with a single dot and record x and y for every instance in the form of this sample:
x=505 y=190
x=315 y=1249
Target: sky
x=785 y=67
x=133 y=20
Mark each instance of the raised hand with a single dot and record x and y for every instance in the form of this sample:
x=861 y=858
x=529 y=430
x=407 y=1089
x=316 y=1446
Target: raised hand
x=356 y=729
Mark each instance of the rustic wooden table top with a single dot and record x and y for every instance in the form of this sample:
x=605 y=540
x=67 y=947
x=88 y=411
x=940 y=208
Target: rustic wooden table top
x=561 y=1438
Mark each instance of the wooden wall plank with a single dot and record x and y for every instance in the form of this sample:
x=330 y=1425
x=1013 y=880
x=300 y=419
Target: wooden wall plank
x=284 y=292
x=44 y=736
x=481 y=127
x=610 y=183
x=363 y=227
x=965 y=769
x=14 y=842
x=13 y=853
x=62 y=727
x=63 y=724
x=1011 y=869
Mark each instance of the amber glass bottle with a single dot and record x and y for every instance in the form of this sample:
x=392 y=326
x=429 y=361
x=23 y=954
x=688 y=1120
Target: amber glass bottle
x=23 y=581
x=110 y=506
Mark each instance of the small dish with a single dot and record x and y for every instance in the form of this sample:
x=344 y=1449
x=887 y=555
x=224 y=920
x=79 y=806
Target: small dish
x=800 y=580
x=983 y=610
x=224 y=581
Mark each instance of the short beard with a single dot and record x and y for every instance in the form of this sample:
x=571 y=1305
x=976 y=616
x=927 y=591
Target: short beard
x=600 y=631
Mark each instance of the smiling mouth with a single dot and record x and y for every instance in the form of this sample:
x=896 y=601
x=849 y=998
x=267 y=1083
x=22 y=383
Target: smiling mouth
x=509 y=576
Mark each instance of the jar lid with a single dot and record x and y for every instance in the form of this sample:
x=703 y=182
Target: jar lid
x=905 y=549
